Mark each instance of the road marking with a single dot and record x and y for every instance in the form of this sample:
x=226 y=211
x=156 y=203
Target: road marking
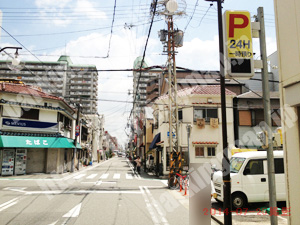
x=165 y=182
x=17 y=189
x=157 y=207
x=53 y=223
x=116 y=176
x=149 y=207
x=8 y=204
x=73 y=212
x=92 y=176
x=129 y=176
x=98 y=183
x=79 y=176
x=104 y=176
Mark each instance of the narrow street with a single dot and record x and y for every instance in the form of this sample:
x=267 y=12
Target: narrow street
x=108 y=193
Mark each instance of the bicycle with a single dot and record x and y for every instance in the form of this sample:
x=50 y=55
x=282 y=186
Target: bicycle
x=174 y=181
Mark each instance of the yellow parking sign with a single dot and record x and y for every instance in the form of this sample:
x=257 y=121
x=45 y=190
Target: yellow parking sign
x=238 y=44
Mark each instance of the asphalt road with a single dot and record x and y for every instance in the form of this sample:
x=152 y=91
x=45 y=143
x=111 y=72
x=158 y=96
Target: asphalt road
x=108 y=193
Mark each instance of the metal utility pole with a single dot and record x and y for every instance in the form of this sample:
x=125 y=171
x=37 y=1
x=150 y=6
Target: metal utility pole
x=225 y=161
x=267 y=117
x=75 y=141
x=173 y=106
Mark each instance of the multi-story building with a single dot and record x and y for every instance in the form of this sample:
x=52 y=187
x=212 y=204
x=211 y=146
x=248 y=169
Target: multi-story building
x=73 y=82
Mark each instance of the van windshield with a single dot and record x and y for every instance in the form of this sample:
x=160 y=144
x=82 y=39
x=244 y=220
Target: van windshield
x=236 y=164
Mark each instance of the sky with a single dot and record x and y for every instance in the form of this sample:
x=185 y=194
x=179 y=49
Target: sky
x=86 y=31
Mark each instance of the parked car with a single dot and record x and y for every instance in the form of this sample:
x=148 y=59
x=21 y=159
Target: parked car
x=120 y=154
x=249 y=178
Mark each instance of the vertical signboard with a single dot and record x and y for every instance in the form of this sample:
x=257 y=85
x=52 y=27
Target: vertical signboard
x=238 y=52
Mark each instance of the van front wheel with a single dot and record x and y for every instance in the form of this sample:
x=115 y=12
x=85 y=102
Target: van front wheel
x=238 y=201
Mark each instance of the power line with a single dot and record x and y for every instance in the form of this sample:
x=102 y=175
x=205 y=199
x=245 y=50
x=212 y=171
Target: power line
x=111 y=29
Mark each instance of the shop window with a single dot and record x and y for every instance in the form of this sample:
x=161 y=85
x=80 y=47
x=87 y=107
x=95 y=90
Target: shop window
x=205 y=114
x=245 y=118
x=199 y=151
x=32 y=114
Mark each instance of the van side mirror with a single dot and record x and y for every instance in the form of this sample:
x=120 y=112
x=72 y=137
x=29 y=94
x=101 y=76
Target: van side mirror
x=246 y=171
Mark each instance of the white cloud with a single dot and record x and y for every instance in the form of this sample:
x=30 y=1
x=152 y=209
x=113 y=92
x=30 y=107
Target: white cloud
x=64 y=12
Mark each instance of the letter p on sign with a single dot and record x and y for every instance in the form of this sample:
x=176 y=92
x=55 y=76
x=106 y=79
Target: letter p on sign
x=237 y=21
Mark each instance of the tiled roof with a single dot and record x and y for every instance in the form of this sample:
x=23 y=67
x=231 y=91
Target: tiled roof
x=257 y=94
x=201 y=90
x=28 y=90
x=205 y=143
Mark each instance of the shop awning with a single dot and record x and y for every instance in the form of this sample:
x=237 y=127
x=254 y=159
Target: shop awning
x=156 y=139
x=36 y=142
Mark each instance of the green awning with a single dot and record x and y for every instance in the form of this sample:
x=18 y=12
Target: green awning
x=36 y=142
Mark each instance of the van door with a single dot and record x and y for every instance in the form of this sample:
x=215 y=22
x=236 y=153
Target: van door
x=279 y=179
x=254 y=180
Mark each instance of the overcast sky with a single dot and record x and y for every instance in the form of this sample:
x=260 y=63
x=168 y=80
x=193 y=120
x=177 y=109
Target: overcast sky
x=82 y=29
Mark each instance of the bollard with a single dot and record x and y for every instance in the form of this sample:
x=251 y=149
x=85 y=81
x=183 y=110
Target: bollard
x=180 y=184
x=185 y=187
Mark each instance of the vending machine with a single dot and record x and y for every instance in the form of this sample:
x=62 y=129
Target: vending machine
x=8 y=162
x=21 y=157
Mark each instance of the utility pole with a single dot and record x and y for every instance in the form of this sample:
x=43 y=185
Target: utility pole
x=173 y=106
x=75 y=141
x=267 y=118
x=225 y=161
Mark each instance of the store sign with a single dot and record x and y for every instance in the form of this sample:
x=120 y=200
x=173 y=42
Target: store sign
x=15 y=124
x=36 y=142
x=238 y=45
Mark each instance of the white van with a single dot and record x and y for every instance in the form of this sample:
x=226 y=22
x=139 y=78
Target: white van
x=249 y=178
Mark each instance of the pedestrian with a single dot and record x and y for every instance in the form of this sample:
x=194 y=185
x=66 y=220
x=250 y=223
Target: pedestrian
x=138 y=165
x=134 y=163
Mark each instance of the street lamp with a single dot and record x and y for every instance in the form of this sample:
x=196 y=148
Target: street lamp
x=15 y=60
x=225 y=161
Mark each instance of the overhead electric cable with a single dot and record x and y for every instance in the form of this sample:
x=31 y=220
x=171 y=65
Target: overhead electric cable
x=111 y=29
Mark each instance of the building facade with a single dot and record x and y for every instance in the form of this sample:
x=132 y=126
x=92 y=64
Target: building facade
x=200 y=107
x=288 y=39
x=75 y=83
x=36 y=131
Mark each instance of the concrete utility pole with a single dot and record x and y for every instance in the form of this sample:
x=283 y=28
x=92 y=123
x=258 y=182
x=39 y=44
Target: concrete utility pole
x=75 y=141
x=267 y=117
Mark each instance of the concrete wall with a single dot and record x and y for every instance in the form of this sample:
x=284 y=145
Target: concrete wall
x=36 y=160
x=287 y=19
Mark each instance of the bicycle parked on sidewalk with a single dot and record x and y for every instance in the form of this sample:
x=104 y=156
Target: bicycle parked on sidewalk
x=174 y=181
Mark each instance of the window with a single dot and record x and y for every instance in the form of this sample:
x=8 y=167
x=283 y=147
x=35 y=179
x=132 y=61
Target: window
x=32 y=114
x=205 y=114
x=259 y=116
x=245 y=118
x=180 y=114
x=255 y=167
x=279 y=166
x=199 y=151
x=211 y=151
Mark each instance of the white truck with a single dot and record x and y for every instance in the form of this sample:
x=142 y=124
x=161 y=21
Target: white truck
x=249 y=178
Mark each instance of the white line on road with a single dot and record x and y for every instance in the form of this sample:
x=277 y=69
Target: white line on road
x=8 y=205
x=53 y=223
x=73 y=212
x=79 y=176
x=116 y=176
x=81 y=192
x=149 y=207
x=98 y=183
x=129 y=176
x=8 y=202
x=156 y=206
x=104 y=176
x=92 y=176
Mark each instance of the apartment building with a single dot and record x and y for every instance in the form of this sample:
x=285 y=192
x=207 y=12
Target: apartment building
x=73 y=82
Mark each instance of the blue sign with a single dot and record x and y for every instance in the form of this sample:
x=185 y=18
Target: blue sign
x=27 y=123
x=77 y=134
x=168 y=133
